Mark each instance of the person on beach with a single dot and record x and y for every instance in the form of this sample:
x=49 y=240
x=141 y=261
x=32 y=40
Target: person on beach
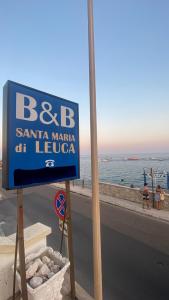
x=146 y=199
x=158 y=196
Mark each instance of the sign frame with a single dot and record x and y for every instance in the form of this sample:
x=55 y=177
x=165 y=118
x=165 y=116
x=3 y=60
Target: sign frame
x=67 y=165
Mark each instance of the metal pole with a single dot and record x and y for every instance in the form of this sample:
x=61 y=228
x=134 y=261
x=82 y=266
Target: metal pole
x=168 y=180
x=63 y=228
x=21 y=243
x=145 y=179
x=66 y=246
x=94 y=162
x=70 y=240
x=152 y=184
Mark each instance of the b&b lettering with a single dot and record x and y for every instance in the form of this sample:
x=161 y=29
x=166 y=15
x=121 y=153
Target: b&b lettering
x=26 y=110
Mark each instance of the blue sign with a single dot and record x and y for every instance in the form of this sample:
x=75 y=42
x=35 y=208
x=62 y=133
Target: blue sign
x=40 y=137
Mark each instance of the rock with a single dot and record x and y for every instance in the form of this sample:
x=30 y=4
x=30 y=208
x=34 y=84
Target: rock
x=51 y=264
x=30 y=258
x=35 y=282
x=44 y=278
x=28 y=265
x=55 y=269
x=43 y=271
x=64 y=260
x=45 y=259
x=50 y=251
x=58 y=257
x=37 y=261
x=51 y=274
x=31 y=270
x=40 y=263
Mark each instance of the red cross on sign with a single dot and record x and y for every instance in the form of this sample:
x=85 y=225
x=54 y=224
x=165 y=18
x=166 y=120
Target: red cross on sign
x=60 y=204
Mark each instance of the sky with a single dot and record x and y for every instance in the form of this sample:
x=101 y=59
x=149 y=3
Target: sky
x=44 y=44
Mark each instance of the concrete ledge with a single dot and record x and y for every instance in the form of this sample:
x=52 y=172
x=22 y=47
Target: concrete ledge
x=32 y=234
x=6 y=245
x=161 y=215
x=116 y=191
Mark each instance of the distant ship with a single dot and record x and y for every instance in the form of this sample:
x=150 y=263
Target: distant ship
x=158 y=158
x=133 y=158
x=106 y=159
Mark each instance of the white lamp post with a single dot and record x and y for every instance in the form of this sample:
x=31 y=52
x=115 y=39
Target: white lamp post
x=94 y=162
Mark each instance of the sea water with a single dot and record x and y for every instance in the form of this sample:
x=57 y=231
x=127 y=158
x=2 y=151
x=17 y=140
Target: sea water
x=128 y=169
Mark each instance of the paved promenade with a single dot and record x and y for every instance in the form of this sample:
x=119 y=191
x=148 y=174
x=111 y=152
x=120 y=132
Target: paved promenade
x=132 y=206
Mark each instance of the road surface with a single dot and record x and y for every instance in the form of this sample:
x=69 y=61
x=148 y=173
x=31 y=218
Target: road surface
x=135 y=249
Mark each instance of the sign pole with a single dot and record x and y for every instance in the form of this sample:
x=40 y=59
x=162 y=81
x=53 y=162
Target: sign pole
x=152 y=185
x=70 y=240
x=94 y=162
x=62 y=236
x=21 y=242
x=15 y=261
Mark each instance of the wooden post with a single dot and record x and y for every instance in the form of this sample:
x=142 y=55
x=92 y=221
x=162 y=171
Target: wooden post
x=20 y=221
x=70 y=240
x=97 y=262
x=15 y=261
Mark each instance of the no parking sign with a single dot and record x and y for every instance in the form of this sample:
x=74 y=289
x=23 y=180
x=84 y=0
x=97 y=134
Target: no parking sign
x=60 y=204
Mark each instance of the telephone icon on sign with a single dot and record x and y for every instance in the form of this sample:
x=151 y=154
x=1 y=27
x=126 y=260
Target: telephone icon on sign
x=49 y=163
